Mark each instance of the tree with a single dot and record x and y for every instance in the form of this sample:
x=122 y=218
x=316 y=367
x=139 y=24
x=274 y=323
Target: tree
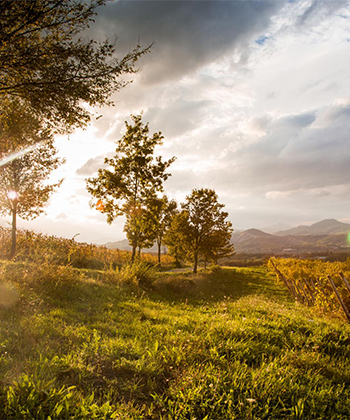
x=174 y=237
x=160 y=212
x=54 y=71
x=139 y=227
x=134 y=179
x=218 y=245
x=204 y=229
x=23 y=191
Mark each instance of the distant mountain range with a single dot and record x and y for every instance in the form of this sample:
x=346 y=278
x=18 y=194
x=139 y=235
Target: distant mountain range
x=326 y=236
x=325 y=227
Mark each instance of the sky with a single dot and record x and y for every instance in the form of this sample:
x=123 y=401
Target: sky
x=252 y=97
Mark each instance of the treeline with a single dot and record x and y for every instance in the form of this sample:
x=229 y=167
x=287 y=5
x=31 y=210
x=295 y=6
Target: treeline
x=132 y=185
x=56 y=76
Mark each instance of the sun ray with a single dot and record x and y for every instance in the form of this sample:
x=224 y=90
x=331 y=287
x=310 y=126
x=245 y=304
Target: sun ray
x=20 y=153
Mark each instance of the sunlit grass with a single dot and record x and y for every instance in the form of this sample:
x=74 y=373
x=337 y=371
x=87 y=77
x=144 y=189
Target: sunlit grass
x=224 y=344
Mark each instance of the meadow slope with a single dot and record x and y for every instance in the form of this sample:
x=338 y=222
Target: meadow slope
x=225 y=344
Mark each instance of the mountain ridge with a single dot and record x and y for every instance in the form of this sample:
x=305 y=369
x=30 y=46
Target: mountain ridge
x=328 y=235
x=324 y=227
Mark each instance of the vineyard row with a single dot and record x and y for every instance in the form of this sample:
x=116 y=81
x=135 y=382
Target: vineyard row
x=313 y=283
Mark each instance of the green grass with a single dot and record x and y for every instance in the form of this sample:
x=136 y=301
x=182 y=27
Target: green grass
x=227 y=344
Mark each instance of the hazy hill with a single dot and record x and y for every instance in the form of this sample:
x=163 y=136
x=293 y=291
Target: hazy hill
x=277 y=227
x=254 y=241
x=325 y=227
x=326 y=236
x=124 y=245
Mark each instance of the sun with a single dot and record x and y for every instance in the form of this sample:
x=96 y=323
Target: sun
x=12 y=195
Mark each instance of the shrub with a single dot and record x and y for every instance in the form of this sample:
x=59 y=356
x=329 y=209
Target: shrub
x=140 y=273
x=215 y=269
x=39 y=248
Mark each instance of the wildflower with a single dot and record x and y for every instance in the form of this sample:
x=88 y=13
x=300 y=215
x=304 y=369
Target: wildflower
x=251 y=400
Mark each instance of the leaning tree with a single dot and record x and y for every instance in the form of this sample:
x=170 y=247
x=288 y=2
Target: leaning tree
x=54 y=70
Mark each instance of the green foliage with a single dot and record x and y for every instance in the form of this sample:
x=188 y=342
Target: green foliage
x=201 y=229
x=23 y=178
x=174 y=237
x=140 y=273
x=160 y=212
x=133 y=180
x=53 y=70
x=217 y=345
x=27 y=174
x=39 y=248
x=215 y=269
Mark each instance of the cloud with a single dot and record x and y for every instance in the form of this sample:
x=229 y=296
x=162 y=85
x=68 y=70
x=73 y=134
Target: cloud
x=179 y=117
x=61 y=216
x=251 y=96
x=92 y=165
x=186 y=34
x=317 y=11
x=293 y=155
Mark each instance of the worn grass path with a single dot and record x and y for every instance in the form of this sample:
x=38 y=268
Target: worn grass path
x=222 y=345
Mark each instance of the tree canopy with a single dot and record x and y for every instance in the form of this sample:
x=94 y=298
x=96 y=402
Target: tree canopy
x=47 y=64
x=133 y=179
x=201 y=229
x=160 y=213
x=23 y=187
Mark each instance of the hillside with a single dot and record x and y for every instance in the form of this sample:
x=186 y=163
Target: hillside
x=325 y=227
x=326 y=236
x=224 y=344
x=124 y=245
x=254 y=241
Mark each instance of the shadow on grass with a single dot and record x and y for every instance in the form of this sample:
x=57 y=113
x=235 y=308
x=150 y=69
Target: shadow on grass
x=233 y=283
x=90 y=325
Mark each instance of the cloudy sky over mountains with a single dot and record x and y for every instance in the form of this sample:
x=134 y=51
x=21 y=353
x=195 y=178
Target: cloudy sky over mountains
x=253 y=97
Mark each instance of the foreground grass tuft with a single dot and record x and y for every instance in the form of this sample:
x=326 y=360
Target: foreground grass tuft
x=227 y=343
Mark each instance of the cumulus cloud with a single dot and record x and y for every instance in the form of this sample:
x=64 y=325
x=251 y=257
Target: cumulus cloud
x=317 y=11
x=186 y=34
x=293 y=155
x=251 y=96
x=61 y=216
x=92 y=166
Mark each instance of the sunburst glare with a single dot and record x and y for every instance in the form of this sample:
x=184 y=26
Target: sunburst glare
x=20 y=153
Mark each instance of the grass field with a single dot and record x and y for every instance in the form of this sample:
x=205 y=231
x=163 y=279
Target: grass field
x=225 y=344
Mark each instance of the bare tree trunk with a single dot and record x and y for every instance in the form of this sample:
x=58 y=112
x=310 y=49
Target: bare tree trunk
x=133 y=253
x=159 y=250
x=195 y=261
x=14 y=231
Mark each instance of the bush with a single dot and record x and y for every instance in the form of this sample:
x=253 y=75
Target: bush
x=34 y=282
x=140 y=273
x=215 y=269
x=39 y=248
